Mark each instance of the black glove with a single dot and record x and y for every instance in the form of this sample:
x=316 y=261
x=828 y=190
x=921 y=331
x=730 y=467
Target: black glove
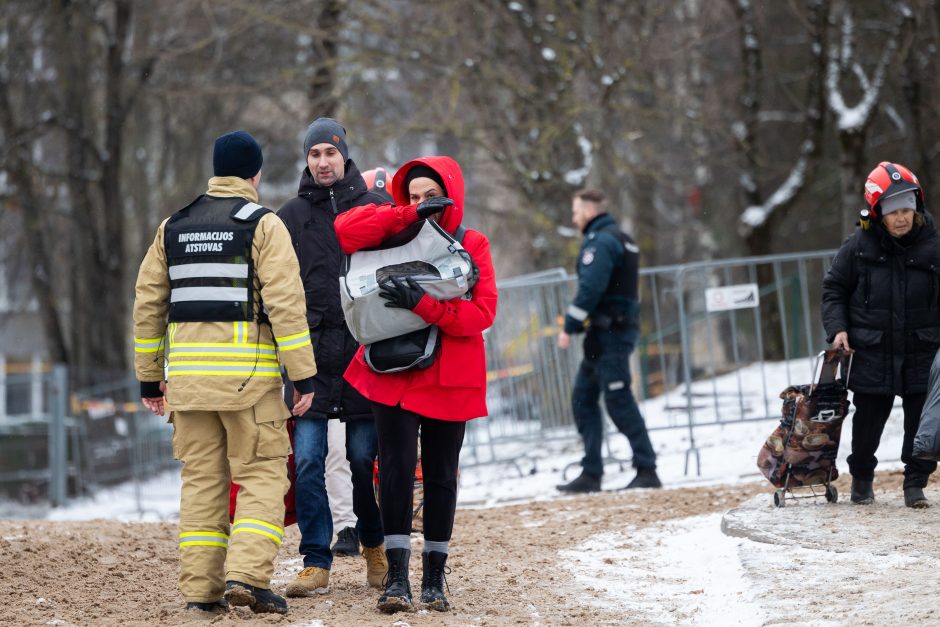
x=433 y=205
x=400 y=294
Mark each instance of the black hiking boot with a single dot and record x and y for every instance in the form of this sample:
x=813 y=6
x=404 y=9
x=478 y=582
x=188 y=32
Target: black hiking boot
x=215 y=607
x=862 y=492
x=260 y=601
x=433 y=581
x=914 y=497
x=397 y=595
x=582 y=484
x=347 y=543
x=645 y=478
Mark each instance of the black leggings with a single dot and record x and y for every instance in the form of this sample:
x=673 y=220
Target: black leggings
x=441 y=440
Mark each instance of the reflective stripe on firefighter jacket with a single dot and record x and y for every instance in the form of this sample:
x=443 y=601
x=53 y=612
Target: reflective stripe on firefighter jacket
x=221 y=354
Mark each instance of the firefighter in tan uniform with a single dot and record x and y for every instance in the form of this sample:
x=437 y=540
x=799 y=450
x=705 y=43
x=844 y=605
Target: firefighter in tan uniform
x=219 y=307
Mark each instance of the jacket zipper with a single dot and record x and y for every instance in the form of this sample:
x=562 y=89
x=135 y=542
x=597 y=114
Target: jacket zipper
x=333 y=202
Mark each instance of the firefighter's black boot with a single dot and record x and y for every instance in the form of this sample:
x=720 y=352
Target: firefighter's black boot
x=862 y=491
x=581 y=484
x=397 y=595
x=260 y=601
x=433 y=581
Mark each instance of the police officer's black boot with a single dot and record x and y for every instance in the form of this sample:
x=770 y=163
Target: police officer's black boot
x=260 y=601
x=914 y=497
x=645 y=478
x=433 y=581
x=582 y=484
x=862 y=492
x=215 y=607
x=397 y=595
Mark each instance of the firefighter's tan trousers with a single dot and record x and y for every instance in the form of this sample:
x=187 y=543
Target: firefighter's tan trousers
x=250 y=446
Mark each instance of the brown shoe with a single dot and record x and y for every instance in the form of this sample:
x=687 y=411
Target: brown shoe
x=310 y=580
x=376 y=565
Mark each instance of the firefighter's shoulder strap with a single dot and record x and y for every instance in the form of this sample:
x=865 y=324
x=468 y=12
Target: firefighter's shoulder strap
x=247 y=211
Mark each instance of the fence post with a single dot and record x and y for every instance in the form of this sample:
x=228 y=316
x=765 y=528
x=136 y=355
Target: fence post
x=35 y=388
x=687 y=371
x=3 y=388
x=58 y=451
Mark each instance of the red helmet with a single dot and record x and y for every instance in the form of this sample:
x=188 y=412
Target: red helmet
x=887 y=180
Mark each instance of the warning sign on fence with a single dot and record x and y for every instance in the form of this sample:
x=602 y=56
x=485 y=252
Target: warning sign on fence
x=741 y=296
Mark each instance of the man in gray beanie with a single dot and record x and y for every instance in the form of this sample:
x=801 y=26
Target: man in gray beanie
x=329 y=185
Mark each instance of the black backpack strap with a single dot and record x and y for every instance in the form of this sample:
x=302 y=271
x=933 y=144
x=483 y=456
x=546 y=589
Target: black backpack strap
x=460 y=233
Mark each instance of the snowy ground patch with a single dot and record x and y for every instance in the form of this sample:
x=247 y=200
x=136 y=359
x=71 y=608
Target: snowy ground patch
x=681 y=572
x=810 y=563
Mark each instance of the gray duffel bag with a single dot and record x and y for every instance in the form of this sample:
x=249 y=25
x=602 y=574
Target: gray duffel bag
x=432 y=257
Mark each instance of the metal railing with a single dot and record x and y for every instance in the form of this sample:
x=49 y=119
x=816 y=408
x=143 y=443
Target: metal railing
x=682 y=344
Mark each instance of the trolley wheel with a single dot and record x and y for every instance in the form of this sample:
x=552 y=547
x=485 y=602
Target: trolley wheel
x=832 y=494
x=780 y=498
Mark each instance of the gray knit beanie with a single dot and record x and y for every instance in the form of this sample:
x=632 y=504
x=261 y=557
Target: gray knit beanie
x=326 y=131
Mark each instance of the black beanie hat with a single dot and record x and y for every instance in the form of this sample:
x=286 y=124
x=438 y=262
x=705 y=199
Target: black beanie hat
x=236 y=154
x=427 y=172
x=326 y=131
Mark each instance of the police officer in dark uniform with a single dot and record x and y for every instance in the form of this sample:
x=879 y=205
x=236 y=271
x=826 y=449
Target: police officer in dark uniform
x=607 y=308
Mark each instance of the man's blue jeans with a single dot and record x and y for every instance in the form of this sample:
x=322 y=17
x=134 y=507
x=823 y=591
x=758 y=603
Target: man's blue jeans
x=608 y=372
x=311 y=503
x=361 y=448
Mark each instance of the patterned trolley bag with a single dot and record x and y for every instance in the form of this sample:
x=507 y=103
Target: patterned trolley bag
x=801 y=452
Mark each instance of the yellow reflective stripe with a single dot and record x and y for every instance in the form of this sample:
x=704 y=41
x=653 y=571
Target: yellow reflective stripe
x=259 y=532
x=293 y=342
x=229 y=373
x=262 y=354
x=255 y=521
x=204 y=538
x=235 y=332
x=288 y=338
x=221 y=345
x=147 y=345
x=252 y=525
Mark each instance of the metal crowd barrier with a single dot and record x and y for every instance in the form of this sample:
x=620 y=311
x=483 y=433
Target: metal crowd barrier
x=686 y=339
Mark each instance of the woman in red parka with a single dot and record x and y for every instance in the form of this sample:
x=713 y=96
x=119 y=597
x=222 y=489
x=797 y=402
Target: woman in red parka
x=438 y=400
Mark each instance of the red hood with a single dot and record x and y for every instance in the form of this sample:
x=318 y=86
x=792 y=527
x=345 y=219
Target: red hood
x=450 y=172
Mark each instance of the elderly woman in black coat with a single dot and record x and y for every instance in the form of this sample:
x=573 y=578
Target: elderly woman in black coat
x=880 y=298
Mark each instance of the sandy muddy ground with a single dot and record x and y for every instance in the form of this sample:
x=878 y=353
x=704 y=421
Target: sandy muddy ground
x=528 y=564
x=505 y=567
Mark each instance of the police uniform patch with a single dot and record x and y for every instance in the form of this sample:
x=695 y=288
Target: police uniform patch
x=587 y=258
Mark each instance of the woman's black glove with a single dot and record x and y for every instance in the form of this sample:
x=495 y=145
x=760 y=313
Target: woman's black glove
x=402 y=294
x=433 y=205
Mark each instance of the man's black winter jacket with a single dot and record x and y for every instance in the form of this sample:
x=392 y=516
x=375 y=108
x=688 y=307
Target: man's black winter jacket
x=309 y=218
x=884 y=292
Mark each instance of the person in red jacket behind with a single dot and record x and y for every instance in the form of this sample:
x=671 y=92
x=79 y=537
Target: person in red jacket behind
x=440 y=399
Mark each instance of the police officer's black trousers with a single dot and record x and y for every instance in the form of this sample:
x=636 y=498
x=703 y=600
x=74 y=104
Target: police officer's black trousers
x=441 y=441
x=871 y=414
x=606 y=369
